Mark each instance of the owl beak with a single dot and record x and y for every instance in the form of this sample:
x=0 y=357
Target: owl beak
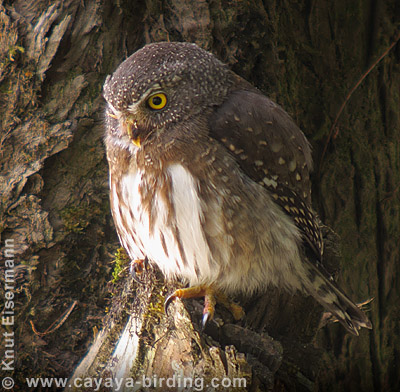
x=136 y=141
x=132 y=130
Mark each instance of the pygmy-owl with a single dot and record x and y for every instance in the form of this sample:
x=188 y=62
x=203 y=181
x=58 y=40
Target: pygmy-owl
x=209 y=180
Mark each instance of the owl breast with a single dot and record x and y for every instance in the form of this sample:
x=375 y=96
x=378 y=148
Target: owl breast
x=179 y=223
x=164 y=222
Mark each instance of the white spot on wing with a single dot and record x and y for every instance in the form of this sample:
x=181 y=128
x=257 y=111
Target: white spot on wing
x=270 y=182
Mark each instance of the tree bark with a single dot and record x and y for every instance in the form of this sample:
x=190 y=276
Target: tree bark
x=54 y=58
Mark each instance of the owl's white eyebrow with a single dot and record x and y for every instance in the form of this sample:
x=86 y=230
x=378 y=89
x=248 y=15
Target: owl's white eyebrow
x=116 y=112
x=155 y=88
x=132 y=107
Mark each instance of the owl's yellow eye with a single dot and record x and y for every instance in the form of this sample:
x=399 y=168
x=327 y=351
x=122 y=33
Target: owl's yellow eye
x=157 y=101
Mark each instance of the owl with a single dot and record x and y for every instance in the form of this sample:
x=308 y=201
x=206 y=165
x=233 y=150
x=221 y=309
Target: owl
x=209 y=181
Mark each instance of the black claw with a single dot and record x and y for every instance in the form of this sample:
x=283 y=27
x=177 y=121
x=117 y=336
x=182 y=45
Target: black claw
x=135 y=279
x=146 y=264
x=168 y=302
x=205 y=320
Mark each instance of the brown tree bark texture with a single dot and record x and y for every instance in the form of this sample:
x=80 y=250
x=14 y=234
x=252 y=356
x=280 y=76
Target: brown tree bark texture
x=54 y=57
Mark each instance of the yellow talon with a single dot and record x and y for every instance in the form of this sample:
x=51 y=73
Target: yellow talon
x=211 y=297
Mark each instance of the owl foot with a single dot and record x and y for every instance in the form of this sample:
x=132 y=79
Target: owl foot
x=211 y=297
x=235 y=309
x=137 y=268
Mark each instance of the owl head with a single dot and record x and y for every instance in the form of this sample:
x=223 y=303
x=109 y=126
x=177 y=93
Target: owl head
x=162 y=84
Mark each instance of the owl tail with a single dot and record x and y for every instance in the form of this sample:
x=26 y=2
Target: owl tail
x=337 y=303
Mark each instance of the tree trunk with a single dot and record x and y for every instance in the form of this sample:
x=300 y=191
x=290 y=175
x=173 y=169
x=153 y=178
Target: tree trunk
x=58 y=239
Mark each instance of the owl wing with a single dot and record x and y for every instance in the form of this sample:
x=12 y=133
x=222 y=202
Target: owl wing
x=272 y=151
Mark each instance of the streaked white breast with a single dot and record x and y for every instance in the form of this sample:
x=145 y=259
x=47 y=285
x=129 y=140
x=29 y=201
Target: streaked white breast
x=178 y=246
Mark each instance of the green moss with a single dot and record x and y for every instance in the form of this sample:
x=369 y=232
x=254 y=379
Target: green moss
x=156 y=306
x=77 y=218
x=120 y=262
